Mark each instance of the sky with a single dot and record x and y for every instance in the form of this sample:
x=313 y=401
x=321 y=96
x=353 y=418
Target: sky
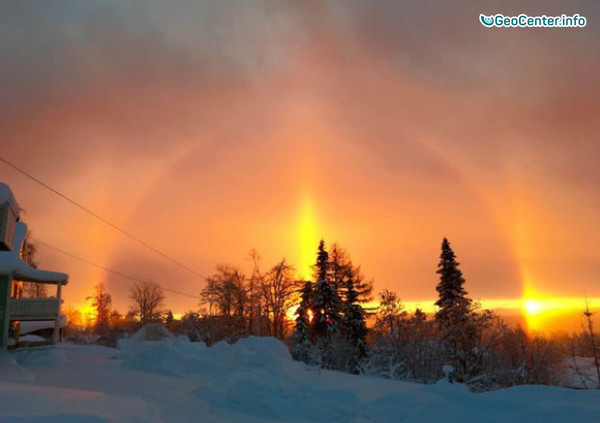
x=209 y=128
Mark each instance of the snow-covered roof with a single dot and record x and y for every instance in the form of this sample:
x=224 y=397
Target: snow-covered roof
x=7 y=197
x=26 y=273
x=10 y=262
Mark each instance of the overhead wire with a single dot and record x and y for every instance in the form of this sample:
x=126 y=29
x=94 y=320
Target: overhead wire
x=100 y=218
x=113 y=271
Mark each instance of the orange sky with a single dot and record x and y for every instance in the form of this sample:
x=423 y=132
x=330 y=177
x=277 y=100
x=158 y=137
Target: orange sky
x=208 y=130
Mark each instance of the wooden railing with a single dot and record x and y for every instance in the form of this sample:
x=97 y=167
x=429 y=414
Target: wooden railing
x=34 y=309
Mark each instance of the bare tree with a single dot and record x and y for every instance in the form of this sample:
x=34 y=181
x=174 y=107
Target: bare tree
x=590 y=329
x=279 y=292
x=226 y=295
x=148 y=300
x=101 y=301
x=258 y=304
x=255 y=284
x=32 y=289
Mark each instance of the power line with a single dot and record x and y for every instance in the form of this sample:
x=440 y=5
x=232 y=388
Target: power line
x=114 y=272
x=100 y=218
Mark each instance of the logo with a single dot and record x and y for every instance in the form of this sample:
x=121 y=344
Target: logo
x=486 y=20
x=525 y=21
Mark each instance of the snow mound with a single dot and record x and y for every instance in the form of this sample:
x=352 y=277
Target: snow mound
x=443 y=386
x=26 y=403
x=152 y=332
x=253 y=381
x=168 y=357
x=253 y=352
x=40 y=356
x=252 y=393
x=178 y=357
x=261 y=369
x=11 y=371
x=580 y=373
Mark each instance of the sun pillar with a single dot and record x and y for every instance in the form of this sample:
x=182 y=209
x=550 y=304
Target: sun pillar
x=308 y=238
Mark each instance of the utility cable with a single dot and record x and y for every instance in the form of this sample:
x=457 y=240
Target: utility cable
x=103 y=220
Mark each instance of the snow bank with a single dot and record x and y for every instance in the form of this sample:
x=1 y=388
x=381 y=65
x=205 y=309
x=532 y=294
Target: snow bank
x=40 y=356
x=254 y=380
x=152 y=332
x=170 y=357
x=264 y=382
x=180 y=357
x=21 y=403
x=11 y=371
x=580 y=373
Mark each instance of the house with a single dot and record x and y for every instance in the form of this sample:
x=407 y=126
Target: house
x=14 y=271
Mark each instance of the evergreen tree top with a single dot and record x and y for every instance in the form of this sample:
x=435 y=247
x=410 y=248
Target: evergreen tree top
x=351 y=293
x=453 y=297
x=322 y=265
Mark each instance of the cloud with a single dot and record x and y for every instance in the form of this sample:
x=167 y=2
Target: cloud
x=200 y=125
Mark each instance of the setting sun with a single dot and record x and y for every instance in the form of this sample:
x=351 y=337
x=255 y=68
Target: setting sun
x=532 y=307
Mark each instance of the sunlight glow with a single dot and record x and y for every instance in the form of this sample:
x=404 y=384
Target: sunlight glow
x=308 y=238
x=532 y=307
x=290 y=314
x=82 y=315
x=540 y=310
x=541 y=313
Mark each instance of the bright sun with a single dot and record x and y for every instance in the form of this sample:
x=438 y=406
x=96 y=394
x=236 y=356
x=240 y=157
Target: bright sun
x=532 y=306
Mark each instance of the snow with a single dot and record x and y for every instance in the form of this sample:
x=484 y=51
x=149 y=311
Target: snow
x=581 y=373
x=11 y=263
x=7 y=197
x=254 y=380
x=70 y=406
x=32 y=338
x=11 y=371
x=8 y=262
x=42 y=356
x=29 y=326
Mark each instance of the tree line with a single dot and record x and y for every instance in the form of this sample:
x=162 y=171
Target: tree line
x=324 y=322
x=484 y=352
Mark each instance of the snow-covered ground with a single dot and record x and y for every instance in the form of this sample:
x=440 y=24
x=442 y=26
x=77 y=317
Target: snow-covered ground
x=254 y=380
x=581 y=373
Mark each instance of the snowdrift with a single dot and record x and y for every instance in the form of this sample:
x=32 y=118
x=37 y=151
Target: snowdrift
x=254 y=380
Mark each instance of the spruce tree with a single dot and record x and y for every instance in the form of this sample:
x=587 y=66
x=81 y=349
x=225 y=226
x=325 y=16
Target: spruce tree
x=353 y=324
x=322 y=266
x=302 y=345
x=340 y=266
x=419 y=319
x=455 y=316
x=453 y=302
x=325 y=301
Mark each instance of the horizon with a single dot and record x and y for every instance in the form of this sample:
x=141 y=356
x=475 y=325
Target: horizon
x=534 y=313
